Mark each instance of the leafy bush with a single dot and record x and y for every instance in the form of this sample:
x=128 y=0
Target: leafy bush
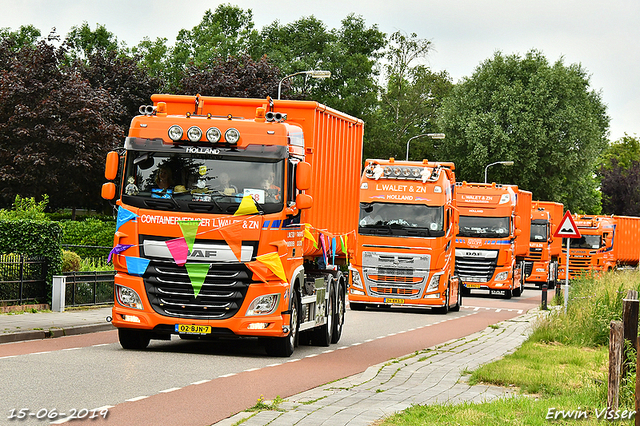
x=26 y=208
x=89 y=232
x=70 y=261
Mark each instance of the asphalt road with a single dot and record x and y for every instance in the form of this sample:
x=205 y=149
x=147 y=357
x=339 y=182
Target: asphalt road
x=181 y=382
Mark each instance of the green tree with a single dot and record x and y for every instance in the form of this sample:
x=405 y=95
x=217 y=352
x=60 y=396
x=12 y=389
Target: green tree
x=82 y=42
x=544 y=117
x=409 y=102
x=619 y=175
x=26 y=35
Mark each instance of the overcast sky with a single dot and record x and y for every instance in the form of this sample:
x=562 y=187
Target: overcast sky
x=600 y=35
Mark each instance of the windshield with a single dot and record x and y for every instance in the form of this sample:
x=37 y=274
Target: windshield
x=198 y=182
x=584 y=242
x=485 y=227
x=538 y=232
x=401 y=220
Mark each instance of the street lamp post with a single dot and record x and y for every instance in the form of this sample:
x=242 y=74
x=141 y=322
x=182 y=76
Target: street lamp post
x=506 y=163
x=313 y=73
x=431 y=135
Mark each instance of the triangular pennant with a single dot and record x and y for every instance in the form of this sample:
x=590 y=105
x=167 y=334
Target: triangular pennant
x=273 y=262
x=260 y=271
x=333 y=249
x=343 y=243
x=124 y=216
x=324 y=247
x=189 y=230
x=179 y=250
x=119 y=248
x=308 y=235
x=232 y=234
x=197 y=274
x=136 y=265
x=247 y=206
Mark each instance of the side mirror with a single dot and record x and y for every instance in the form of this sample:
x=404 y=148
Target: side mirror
x=304 y=201
x=517 y=221
x=109 y=191
x=518 y=232
x=303 y=176
x=111 y=168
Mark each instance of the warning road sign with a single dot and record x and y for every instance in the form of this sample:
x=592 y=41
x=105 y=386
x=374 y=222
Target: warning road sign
x=567 y=228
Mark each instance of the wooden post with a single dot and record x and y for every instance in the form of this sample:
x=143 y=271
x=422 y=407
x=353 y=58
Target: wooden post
x=637 y=396
x=630 y=320
x=615 y=364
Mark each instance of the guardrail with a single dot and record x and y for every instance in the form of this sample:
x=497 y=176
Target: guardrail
x=82 y=289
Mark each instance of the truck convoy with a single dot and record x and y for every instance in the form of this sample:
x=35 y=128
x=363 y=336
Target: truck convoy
x=606 y=242
x=404 y=252
x=541 y=263
x=230 y=220
x=493 y=237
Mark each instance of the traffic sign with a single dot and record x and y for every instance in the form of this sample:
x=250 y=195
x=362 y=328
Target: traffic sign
x=567 y=228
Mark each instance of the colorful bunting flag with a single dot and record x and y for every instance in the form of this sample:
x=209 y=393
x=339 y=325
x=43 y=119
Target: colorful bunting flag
x=189 y=231
x=136 y=265
x=232 y=234
x=273 y=262
x=197 y=274
x=308 y=235
x=179 y=250
x=247 y=206
x=119 y=248
x=324 y=248
x=333 y=249
x=260 y=271
x=124 y=216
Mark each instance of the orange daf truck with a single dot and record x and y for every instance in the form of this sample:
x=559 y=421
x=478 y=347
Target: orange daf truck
x=493 y=237
x=404 y=251
x=606 y=242
x=228 y=210
x=541 y=263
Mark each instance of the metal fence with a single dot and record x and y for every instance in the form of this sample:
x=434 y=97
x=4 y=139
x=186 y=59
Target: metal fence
x=89 y=288
x=23 y=279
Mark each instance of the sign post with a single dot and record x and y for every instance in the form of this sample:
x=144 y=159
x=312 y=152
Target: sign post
x=567 y=229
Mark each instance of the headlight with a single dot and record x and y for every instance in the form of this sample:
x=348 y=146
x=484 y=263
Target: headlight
x=232 y=135
x=128 y=297
x=175 y=133
x=194 y=134
x=263 y=305
x=355 y=279
x=213 y=134
x=434 y=283
x=502 y=276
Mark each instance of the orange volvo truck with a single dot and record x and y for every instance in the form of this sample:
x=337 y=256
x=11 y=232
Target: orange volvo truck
x=404 y=251
x=606 y=242
x=228 y=210
x=541 y=263
x=493 y=239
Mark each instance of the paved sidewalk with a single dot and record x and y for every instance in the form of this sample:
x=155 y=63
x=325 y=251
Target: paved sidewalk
x=433 y=376
x=41 y=325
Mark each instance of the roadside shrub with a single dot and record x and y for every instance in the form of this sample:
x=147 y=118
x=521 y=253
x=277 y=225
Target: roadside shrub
x=89 y=232
x=70 y=261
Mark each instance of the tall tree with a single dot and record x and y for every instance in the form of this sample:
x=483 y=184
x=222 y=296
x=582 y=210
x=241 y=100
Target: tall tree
x=620 y=177
x=544 y=117
x=409 y=101
x=83 y=42
x=55 y=129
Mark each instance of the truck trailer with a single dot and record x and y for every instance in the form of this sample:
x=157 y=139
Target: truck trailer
x=493 y=237
x=229 y=211
x=404 y=246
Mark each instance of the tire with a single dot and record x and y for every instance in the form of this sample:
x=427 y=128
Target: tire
x=323 y=335
x=518 y=291
x=341 y=307
x=444 y=309
x=508 y=294
x=458 y=305
x=464 y=290
x=355 y=306
x=284 y=346
x=133 y=339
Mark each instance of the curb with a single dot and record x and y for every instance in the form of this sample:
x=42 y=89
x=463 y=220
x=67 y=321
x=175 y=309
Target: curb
x=54 y=332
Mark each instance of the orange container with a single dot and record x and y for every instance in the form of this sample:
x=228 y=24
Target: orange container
x=625 y=244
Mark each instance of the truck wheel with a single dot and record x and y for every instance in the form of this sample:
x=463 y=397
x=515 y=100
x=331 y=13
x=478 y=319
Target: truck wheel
x=444 y=309
x=284 y=346
x=322 y=335
x=458 y=304
x=338 y=321
x=508 y=294
x=133 y=339
x=518 y=291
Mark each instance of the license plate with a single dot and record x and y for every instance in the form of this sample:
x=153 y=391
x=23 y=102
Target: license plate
x=472 y=285
x=399 y=301
x=193 y=329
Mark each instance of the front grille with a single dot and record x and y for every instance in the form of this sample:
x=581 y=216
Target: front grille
x=475 y=269
x=170 y=291
x=395 y=291
x=395 y=279
x=535 y=255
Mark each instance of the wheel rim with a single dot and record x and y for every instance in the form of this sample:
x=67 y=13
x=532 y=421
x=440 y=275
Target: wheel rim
x=293 y=324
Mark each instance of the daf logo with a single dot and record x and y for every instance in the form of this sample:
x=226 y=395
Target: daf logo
x=474 y=253
x=203 y=254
